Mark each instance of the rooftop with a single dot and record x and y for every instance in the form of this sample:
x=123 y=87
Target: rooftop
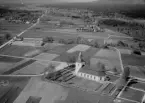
x=93 y=70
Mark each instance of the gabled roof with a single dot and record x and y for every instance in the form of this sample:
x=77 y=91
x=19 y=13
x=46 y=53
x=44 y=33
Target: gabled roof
x=92 y=70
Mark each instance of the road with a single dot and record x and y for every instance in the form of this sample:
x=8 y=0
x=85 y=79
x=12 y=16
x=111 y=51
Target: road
x=10 y=41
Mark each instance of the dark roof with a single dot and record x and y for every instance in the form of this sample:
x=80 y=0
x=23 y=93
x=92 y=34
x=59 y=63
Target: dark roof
x=91 y=70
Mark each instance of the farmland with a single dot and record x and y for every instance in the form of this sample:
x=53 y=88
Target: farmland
x=12 y=28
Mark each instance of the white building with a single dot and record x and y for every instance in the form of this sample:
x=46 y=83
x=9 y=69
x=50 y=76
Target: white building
x=90 y=72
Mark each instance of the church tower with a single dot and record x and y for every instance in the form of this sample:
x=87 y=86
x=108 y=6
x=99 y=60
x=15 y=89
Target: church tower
x=79 y=63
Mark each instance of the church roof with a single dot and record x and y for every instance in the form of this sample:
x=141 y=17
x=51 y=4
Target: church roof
x=92 y=71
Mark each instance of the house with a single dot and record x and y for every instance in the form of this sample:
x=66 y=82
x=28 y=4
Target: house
x=91 y=72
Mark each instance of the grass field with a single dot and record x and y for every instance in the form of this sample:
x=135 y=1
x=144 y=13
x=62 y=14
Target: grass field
x=133 y=60
x=132 y=94
x=15 y=50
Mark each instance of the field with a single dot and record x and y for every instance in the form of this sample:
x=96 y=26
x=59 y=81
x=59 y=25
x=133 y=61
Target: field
x=12 y=28
x=137 y=84
x=13 y=89
x=33 y=68
x=132 y=94
x=133 y=60
x=46 y=56
x=47 y=91
x=137 y=71
x=15 y=50
x=6 y=63
x=79 y=47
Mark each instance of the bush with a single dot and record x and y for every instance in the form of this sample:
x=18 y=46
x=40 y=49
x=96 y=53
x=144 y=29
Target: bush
x=81 y=40
x=137 y=52
x=48 y=40
x=94 y=43
x=8 y=36
x=122 y=44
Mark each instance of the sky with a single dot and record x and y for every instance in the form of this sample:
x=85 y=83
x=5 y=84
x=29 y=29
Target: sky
x=45 y=1
x=76 y=0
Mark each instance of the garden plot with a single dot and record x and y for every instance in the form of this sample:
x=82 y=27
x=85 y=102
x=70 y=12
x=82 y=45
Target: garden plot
x=125 y=51
x=79 y=47
x=110 y=54
x=46 y=56
x=34 y=68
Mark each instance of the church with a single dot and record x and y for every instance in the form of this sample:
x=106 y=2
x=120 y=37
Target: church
x=91 y=72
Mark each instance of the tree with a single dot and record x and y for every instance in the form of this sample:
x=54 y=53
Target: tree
x=94 y=43
x=8 y=36
x=71 y=59
x=100 y=67
x=120 y=83
x=48 y=40
x=137 y=52
x=114 y=70
x=1 y=40
x=125 y=73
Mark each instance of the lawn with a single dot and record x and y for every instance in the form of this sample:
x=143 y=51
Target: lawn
x=15 y=50
x=133 y=60
x=132 y=94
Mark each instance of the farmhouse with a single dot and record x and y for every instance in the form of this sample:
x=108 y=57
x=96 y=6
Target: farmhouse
x=91 y=72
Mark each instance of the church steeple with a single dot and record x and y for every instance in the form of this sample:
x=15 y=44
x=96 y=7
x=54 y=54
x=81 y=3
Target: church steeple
x=79 y=63
x=80 y=60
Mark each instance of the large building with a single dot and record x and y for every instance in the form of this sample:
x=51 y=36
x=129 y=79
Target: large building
x=91 y=72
